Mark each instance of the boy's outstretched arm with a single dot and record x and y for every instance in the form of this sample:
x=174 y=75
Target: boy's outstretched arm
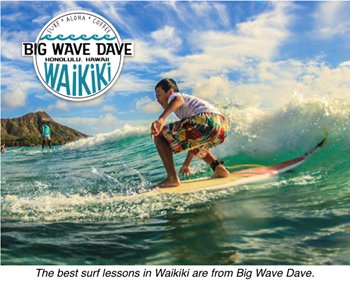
x=157 y=125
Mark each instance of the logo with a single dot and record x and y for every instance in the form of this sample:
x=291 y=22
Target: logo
x=78 y=55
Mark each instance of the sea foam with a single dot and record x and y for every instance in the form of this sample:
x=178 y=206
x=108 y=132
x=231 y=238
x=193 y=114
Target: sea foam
x=99 y=139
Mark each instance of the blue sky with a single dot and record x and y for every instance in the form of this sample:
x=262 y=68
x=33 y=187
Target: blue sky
x=254 y=53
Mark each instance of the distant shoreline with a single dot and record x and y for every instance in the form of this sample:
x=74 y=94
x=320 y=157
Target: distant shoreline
x=26 y=131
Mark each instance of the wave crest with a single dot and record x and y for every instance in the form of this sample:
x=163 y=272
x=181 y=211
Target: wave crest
x=298 y=124
x=91 y=142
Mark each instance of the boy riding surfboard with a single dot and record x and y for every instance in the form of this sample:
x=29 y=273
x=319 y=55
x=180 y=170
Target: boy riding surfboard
x=200 y=128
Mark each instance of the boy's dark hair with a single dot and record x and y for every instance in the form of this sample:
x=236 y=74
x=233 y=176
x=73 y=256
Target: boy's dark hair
x=166 y=84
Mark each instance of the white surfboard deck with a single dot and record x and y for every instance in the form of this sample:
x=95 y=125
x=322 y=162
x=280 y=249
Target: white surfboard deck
x=247 y=176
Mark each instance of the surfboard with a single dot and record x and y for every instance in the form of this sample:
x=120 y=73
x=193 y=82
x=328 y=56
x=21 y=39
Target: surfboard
x=237 y=178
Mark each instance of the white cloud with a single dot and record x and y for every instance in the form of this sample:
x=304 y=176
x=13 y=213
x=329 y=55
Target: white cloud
x=65 y=105
x=166 y=37
x=143 y=54
x=42 y=19
x=240 y=65
x=65 y=6
x=205 y=15
x=147 y=105
x=222 y=13
x=16 y=85
x=11 y=44
x=332 y=19
x=11 y=17
x=115 y=13
x=215 y=87
x=94 y=125
x=14 y=98
x=160 y=48
x=275 y=83
x=131 y=83
x=222 y=52
x=285 y=79
x=94 y=102
x=61 y=105
x=108 y=108
x=329 y=81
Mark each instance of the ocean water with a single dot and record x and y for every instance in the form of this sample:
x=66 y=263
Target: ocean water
x=72 y=205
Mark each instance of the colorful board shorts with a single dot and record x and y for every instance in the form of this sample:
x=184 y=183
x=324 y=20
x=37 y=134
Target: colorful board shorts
x=198 y=134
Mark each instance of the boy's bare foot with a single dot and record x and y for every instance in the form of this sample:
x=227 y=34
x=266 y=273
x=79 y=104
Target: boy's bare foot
x=167 y=183
x=220 y=172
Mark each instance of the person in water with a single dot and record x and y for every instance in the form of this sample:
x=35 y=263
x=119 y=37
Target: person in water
x=200 y=128
x=46 y=135
x=3 y=147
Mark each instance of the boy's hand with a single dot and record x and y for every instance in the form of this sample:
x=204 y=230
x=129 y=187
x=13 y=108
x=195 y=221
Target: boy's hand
x=157 y=127
x=185 y=170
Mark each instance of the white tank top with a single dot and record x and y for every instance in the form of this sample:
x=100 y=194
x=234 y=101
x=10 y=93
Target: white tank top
x=192 y=106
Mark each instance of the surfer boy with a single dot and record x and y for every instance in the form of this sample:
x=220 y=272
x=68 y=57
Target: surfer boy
x=200 y=128
x=46 y=134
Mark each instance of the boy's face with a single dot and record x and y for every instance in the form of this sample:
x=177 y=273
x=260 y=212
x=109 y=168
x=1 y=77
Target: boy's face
x=162 y=96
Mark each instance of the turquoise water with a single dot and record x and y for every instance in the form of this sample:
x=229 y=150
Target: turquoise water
x=70 y=207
